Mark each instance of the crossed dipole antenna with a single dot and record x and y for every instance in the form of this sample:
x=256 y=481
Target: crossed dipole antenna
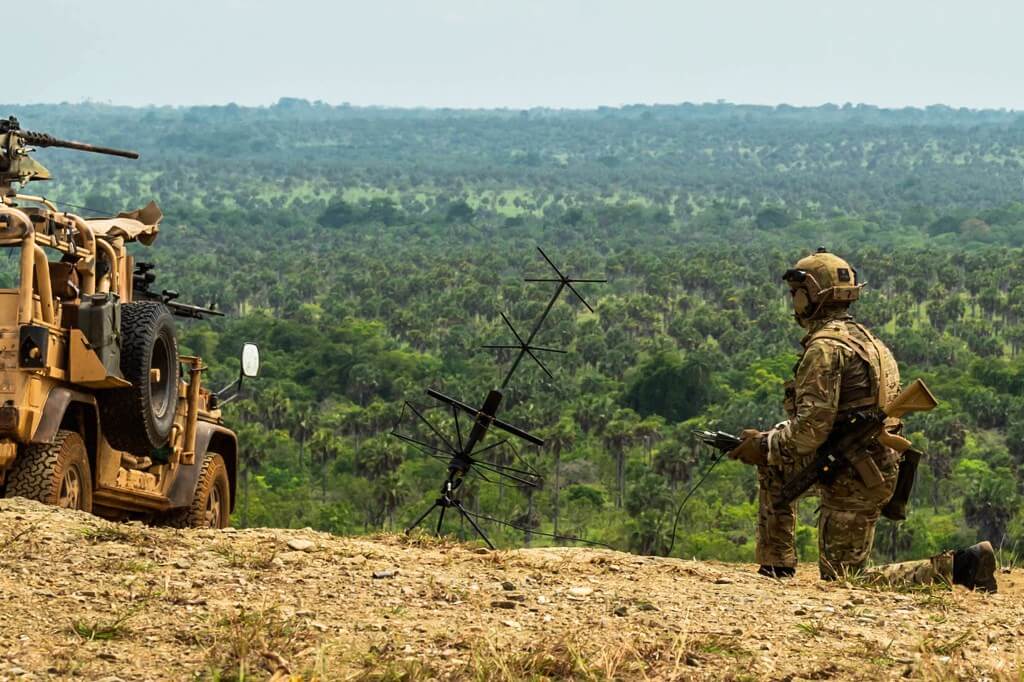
x=525 y=348
x=464 y=453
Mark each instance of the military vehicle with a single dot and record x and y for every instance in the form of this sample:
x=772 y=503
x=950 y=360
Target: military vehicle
x=98 y=411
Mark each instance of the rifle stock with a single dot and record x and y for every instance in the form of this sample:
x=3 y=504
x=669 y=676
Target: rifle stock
x=914 y=398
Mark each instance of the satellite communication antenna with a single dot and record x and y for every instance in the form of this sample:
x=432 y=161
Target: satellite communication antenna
x=465 y=453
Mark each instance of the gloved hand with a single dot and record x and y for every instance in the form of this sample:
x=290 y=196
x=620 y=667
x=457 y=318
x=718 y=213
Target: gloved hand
x=753 y=449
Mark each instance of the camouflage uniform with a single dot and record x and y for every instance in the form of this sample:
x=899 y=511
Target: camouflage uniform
x=938 y=569
x=843 y=368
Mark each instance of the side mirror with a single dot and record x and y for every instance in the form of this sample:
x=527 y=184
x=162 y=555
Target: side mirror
x=250 y=367
x=250 y=360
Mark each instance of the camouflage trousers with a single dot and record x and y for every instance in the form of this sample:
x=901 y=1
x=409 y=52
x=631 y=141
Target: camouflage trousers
x=938 y=569
x=846 y=522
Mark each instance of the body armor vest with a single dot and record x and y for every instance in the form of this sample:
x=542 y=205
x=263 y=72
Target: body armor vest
x=883 y=373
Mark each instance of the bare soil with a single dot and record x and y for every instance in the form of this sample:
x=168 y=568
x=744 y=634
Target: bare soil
x=84 y=598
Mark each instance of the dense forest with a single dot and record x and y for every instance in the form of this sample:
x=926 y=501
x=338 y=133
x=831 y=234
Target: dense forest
x=370 y=252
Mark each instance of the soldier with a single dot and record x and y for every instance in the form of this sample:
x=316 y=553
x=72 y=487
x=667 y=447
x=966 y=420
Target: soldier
x=844 y=367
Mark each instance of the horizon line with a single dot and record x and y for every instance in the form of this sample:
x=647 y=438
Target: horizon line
x=286 y=101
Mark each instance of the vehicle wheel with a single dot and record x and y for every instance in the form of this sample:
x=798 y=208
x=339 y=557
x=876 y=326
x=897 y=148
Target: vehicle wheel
x=139 y=418
x=54 y=473
x=211 y=503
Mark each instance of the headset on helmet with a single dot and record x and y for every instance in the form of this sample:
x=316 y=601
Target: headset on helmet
x=819 y=280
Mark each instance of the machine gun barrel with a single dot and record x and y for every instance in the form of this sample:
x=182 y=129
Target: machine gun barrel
x=44 y=140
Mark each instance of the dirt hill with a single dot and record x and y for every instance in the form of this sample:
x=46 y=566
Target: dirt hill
x=84 y=598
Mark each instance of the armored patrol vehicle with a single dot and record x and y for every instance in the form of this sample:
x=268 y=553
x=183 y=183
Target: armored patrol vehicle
x=98 y=410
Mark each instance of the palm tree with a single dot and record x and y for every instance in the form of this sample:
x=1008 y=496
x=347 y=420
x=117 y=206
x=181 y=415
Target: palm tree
x=326 y=445
x=619 y=433
x=560 y=437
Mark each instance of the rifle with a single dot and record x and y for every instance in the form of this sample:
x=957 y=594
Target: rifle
x=859 y=428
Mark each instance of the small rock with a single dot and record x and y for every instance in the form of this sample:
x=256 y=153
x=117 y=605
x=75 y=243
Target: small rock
x=800 y=612
x=508 y=587
x=858 y=600
x=511 y=624
x=503 y=604
x=646 y=606
x=620 y=611
x=301 y=545
x=481 y=550
x=724 y=581
x=17 y=672
x=580 y=591
x=388 y=573
x=182 y=563
x=517 y=597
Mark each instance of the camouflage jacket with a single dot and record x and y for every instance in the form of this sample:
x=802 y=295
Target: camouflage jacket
x=843 y=367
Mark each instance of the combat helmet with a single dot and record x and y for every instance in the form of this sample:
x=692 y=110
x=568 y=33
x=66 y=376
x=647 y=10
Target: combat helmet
x=821 y=281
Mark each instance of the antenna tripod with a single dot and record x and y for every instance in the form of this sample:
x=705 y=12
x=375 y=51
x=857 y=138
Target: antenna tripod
x=448 y=500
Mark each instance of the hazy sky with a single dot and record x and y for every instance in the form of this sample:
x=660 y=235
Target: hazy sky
x=517 y=53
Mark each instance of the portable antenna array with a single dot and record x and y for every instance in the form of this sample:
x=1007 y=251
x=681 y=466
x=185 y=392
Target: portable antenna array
x=465 y=455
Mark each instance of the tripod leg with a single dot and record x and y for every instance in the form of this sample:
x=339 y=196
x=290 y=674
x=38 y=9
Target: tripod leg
x=440 y=519
x=465 y=515
x=420 y=519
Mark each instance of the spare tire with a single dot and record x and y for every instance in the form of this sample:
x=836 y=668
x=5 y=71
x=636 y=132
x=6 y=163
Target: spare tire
x=139 y=418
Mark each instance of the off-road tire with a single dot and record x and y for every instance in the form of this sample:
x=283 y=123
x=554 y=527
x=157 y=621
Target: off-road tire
x=211 y=503
x=56 y=473
x=139 y=418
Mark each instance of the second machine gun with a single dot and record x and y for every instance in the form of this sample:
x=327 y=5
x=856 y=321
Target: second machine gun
x=144 y=276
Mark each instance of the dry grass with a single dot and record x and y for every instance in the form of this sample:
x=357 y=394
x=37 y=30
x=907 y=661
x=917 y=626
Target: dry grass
x=114 y=625
x=237 y=606
x=565 y=657
x=259 y=558
x=249 y=643
x=127 y=535
x=18 y=538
